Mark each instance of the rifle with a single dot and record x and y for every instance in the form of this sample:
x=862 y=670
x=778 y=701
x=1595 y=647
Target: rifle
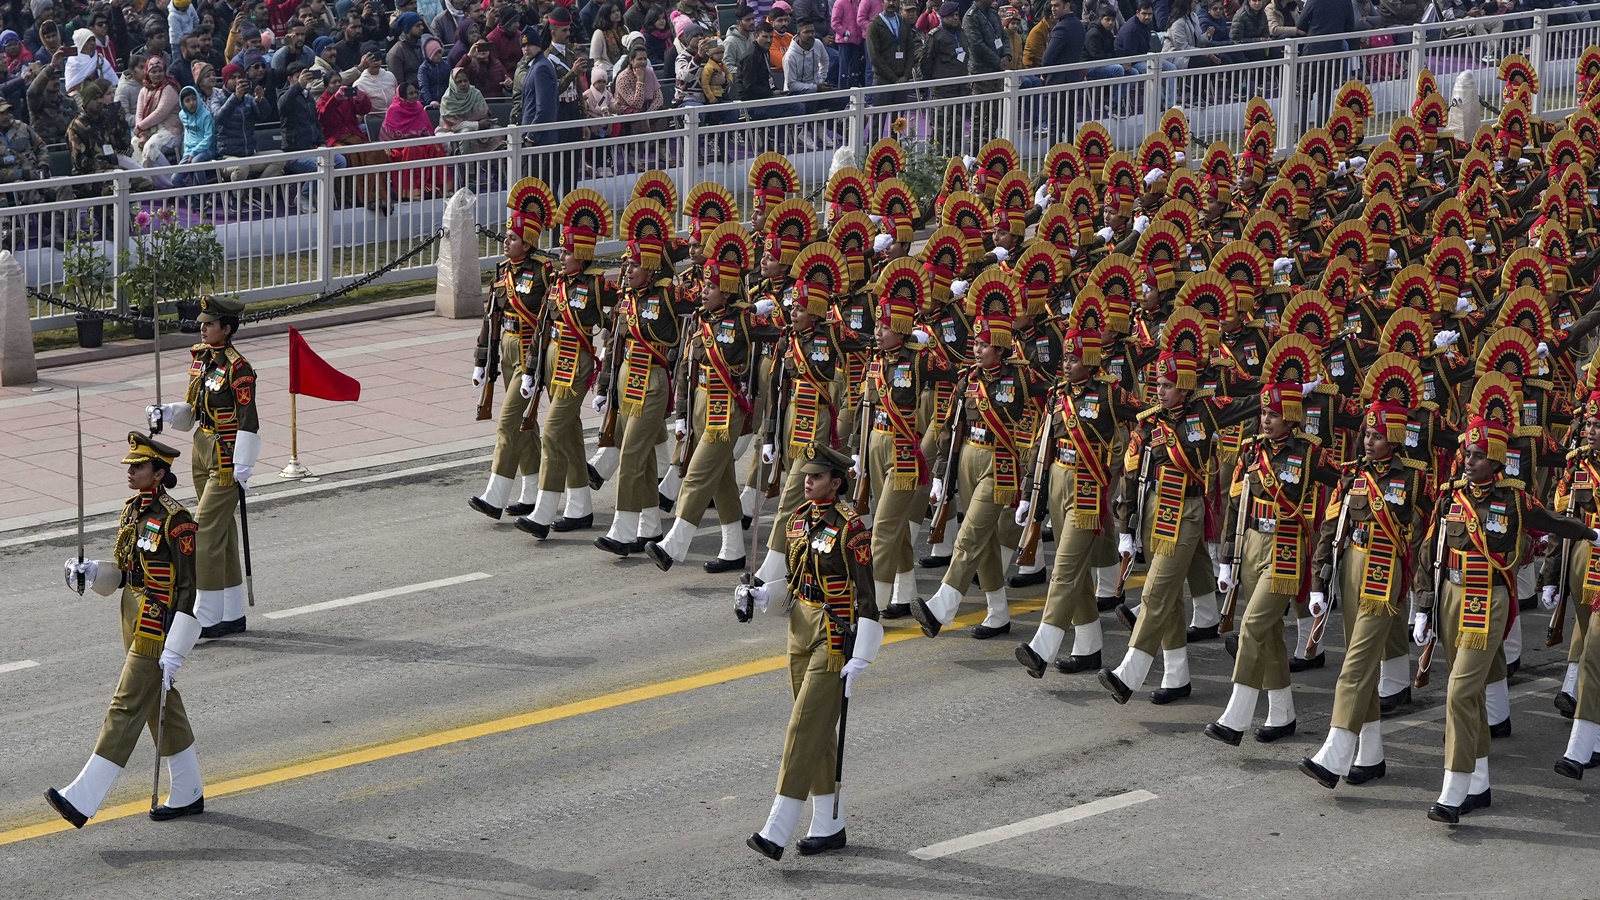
x=680 y=372
x=944 y=509
x=608 y=422
x=1558 y=619
x=530 y=416
x=844 y=708
x=1319 y=624
x=1028 y=545
x=1230 y=600
x=774 y=427
x=746 y=611
x=491 y=372
x=863 y=492
x=1425 y=661
x=1138 y=521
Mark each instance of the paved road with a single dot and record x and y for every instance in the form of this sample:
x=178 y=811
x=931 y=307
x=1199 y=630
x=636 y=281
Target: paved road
x=573 y=725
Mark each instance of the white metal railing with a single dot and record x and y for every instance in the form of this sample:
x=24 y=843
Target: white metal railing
x=297 y=234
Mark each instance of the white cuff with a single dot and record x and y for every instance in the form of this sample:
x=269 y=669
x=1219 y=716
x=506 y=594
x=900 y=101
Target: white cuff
x=182 y=416
x=246 y=447
x=181 y=636
x=869 y=637
x=777 y=597
x=107 y=578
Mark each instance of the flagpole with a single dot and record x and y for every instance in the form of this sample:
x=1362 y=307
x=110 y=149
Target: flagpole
x=294 y=469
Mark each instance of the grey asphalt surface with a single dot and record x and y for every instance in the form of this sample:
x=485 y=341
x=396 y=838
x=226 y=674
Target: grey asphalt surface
x=654 y=798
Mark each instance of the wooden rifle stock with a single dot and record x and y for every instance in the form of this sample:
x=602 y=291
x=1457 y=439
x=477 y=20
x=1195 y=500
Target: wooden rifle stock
x=491 y=372
x=944 y=508
x=1425 y=661
x=1230 y=600
x=1319 y=624
x=1028 y=546
x=863 y=486
x=1558 y=619
x=530 y=416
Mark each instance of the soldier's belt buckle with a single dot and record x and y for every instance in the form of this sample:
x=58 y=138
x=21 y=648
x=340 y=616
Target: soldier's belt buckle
x=1267 y=526
x=1359 y=537
x=1454 y=575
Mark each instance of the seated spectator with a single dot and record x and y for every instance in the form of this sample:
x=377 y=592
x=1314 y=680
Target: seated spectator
x=451 y=19
x=658 y=38
x=605 y=45
x=292 y=50
x=235 y=124
x=1184 y=33
x=99 y=139
x=738 y=41
x=86 y=63
x=23 y=150
x=199 y=134
x=1100 y=43
x=129 y=84
x=485 y=72
x=463 y=108
x=340 y=110
x=782 y=21
x=50 y=110
x=155 y=44
x=326 y=53
x=1067 y=41
x=597 y=99
x=297 y=109
x=636 y=89
x=377 y=83
x=407 y=118
x=157 y=128
x=469 y=38
x=505 y=40
x=805 y=65
x=1281 y=18
x=1214 y=23
x=1250 y=26
x=433 y=78
x=15 y=56
x=714 y=80
x=687 y=61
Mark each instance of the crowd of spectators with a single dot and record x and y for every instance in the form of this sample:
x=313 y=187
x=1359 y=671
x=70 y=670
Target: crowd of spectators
x=146 y=84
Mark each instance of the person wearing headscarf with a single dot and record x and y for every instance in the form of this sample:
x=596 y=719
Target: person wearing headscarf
x=15 y=56
x=433 y=76
x=199 y=134
x=463 y=108
x=89 y=64
x=157 y=130
x=407 y=118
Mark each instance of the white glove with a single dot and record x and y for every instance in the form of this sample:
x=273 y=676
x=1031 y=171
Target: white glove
x=1308 y=386
x=1002 y=254
x=1125 y=545
x=1472 y=244
x=600 y=347
x=920 y=338
x=852 y=670
x=1543 y=350
x=170 y=663
x=958 y=288
x=881 y=243
x=599 y=403
x=1224 y=578
x=1499 y=166
x=1394 y=257
x=242 y=474
x=527 y=387
x=969 y=161
x=1463 y=305
x=1180 y=158
x=680 y=429
x=1022 y=512
x=769 y=454
x=1282 y=265
x=1154 y=175
x=1340 y=170
x=88 y=568
x=1317 y=602
x=477 y=376
x=1524 y=162
x=1445 y=339
x=166 y=413
x=1105 y=234
x=1547 y=597
x=937 y=490
x=1420 y=632
x=1041 y=197
x=1141 y=223
x=1596 y=539
x=765 y=306
x=1357 y=163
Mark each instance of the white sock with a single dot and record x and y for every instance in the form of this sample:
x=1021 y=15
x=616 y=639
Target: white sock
x=1038 y=566
x=748 y=498
x=208 y=608
x=905 y=587
x=1371 y=751
x=1087 y=639
x=183 y=778
x=650 y=522
x=579 y=503
x=1105 y=580
x=1569 y=684
x=1302 y=631
x=1337 y=752
x=89 y=789
x=999 y=609
x=498 y=491
x=624 y=527
x=544 y=509
x=1047 y=641
x=234 y=600
x=1480 y=776
x=1394 y=675
x=1497 y=699
x=1135 y=666
x=605 y=461
x=1513 y=642
x=773 y=568
x=670 y=483
x=676 y=543
x=1205 y=611
x=529 y=494
x=944 y=603
x=1581 y=742
x=823 y=822
x=1280 y=707
x=1135 y=609
x=884 y=591
x=733 y=546
x=1241 y=708
x=1175 y=667
x=1456 y=787
x=782 y=820
x=946 y=546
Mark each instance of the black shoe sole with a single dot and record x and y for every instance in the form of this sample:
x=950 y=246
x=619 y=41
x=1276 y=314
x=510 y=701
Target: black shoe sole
x=563 y=524
x=1392 y=703
x=1500 y=731
x=984 y=632
x=1197 y=635
x=933 y=562
x=518 y=510
x=1119 y=691
x=1031 y=661
x=1219 y=732
x=595 y=481
x=658 y=556
x=528 y=526
x=1072 y=665
x=1105 y=604
x=617 y=547
x=1364 y=774
x=719 y=565
x=493 y=512
x=166 y=813
x=1477 y=801
x=65 y=809
x=665 y=503
x=236 y=626
x=1163 y=696
x=1230 y=643
x=1126 y=616
x=931 y=626
x=1318 y=774
x=811 y=846
x=1567 y=767
x=1449 y=815
x=1566 y=705
x=764 y=847
x=1027 y=579
x=1297 y=664
x=896 y=611
x=1266 y=734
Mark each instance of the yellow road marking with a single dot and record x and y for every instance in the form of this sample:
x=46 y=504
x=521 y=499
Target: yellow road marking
x=478 y=730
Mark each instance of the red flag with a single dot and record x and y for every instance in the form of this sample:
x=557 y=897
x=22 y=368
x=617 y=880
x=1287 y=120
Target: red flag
x=311 y=375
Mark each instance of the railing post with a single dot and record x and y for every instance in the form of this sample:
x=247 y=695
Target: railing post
x=1153 y=107
x=691 y=148
x=322 y=188
x=1289 y=111
x=1418 y=60
x=1536 y=50
x=121 y=221
x=1008 y=110
x=858 y=120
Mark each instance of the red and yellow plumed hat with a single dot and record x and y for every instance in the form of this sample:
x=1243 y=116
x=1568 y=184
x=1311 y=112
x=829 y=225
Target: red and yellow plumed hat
x=772 y=179
x=1302 y=171
x=791 y=224
x=533 y=208
x=1574 y=186
x=1519 y=78
x=1475 y=165
x=1122 y=185
x=1183 y=214
x=1038 y=269
x=585 y=218
x=1479 y=199
x=658 y=186
x=1063 y=164
x=1387 y=153
x=847 y=192
x=1269 y=233
x=1406 y=136
x=1525 y=267
x=886 y=159
x=1312 y=316
x=896 y=209
x=1155 y=152
x=1385 y=223
x=1413 y=288
x=1509 y=351
x=1392 y=388
x=1553 y=247
x=1382 y=178
x=1084 y=331
x=1525 y=308
x=1586 y=125
x=1407 y=332
x=1245 y=267
x=1218 y=164
x=965 y=212
x=1183 y=184
x=1158 y=252
x=729 y=255
x=1511 y=131
x=1095 y=146
x=902 y=290
x=1282 y=199
x=1184 y=346
x=1432 y=115
x=708 y=205
x=1484 y=140
x=820 y=275
x=1589 y=383
x=1344 y=129
x=646 y=226
x=1257 y=153
x=1450 y=219
x=1349 y=239
x=1056 y=225
x=992 y=301
x=1083 y=205
x=1492 y=415
x=1339 y=280
x=1565 y=149
x=996 y=159
x=1210 y=294
x=1588 y=70
x=1174 y=126
x=944 y=258
x=1257 y=111
x=1318 y=145
x=1291 y=361
x=1449 y=264
x=1013 y=199
x=1118 y=283
x=954 y=181
x=1426 y=85
x=1356 y=97
x=851 y=235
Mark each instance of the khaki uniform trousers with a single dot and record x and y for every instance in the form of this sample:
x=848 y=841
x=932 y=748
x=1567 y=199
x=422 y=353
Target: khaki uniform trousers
x=636 y=443
x=1366 y=646
x=892 y=511
x=755 y=475
x=516 y=452
x=1466 y=721
x=711 y=477
x=562 y=464
x=1263 y=660
x=1162 y=624
x=987 y=529
x=137 y=701
x=1585 y=652
x=810 y=746
x=216 y=545
x=1070 y=600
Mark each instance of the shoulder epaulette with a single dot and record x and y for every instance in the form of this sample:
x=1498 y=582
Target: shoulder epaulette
x=1148 y=413
x=235 y=358
x=171 y=505
x=1575 y=453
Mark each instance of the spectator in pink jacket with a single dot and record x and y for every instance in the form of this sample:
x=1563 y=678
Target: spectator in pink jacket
x=866 y=11
x=848 y=34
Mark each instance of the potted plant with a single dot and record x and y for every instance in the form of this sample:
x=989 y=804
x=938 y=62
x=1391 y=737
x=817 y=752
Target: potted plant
x=170 y=262
x=88 y=282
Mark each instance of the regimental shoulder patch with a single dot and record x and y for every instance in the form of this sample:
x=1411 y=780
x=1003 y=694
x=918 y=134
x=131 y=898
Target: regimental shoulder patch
x=244 y=389
x=860 y=545
x=183 y=535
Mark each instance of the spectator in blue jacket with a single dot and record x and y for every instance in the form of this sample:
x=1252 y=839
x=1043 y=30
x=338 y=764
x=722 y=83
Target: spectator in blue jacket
x=433 y=76
x=540 y=93
x=1321 y=18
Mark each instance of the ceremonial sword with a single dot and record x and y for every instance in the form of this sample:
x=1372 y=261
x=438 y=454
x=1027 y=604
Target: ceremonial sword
x=77 y=396
x=244 y=532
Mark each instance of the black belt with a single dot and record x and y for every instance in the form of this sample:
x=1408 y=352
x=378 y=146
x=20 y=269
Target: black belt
x=1264 y=526
x=810 y=593
x=134 y=579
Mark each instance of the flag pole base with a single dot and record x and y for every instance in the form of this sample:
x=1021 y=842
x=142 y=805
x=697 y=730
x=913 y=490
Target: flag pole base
x=294 y=469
